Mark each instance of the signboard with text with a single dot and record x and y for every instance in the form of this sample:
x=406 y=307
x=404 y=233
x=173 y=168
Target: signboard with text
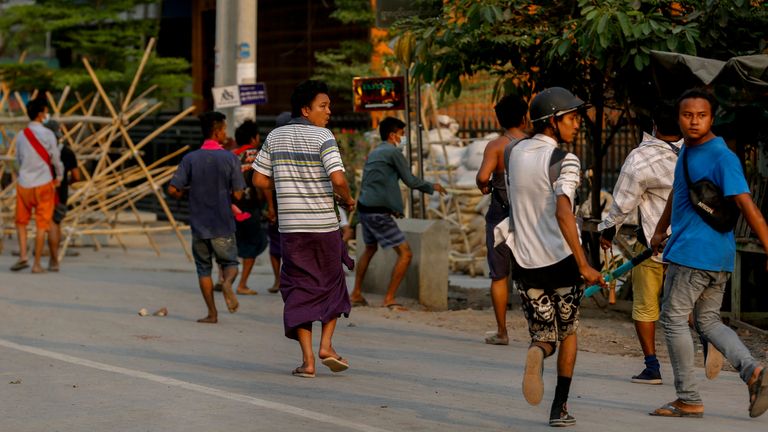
x=237 y=95
x=253 y=94
x=379 y=94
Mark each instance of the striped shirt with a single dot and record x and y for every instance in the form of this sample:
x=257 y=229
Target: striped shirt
x=300 y=158
x=645 y=181
x=538 y=241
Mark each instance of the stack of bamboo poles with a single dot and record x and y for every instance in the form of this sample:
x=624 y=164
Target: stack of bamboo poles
x=114 y=173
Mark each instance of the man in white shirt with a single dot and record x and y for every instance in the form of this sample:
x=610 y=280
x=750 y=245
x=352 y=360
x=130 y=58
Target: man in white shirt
x=40 y=172
x=643 y=186
x=551 y=265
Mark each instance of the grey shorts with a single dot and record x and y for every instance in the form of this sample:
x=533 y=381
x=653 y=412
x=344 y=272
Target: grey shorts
x=380 y=228
x=224 y=249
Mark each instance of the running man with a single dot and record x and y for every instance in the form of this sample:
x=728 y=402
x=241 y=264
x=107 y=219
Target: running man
x=543 y=180
x=379 y=202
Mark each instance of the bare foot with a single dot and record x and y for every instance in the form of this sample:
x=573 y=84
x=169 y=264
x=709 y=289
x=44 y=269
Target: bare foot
x=53 y=266
x=230 y=298
x=37 y=268
x=275 y=287
x=208 y=320
x=246 y=291
x=327 y=352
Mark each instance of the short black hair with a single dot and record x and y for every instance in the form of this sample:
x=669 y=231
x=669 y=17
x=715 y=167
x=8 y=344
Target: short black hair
x=304 y=94
x=389 y=125
x=697 y=93
x=210 y=122
x=510 y=111
x=664 y=116
x=35 y=107
x=246 y=132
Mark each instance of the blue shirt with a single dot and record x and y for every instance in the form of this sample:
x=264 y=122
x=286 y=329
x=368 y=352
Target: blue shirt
x=694 y=243
x=210 y=177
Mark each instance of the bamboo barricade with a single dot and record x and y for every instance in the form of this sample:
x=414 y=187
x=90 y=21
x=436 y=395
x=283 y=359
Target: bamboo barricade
x=114 y=173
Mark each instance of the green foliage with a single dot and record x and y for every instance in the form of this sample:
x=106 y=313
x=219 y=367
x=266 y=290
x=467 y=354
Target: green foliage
x=354 y=12
x=108 y=33
x=597 y=48
x=337 y=66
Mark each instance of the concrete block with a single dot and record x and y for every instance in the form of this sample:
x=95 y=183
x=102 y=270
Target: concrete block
x=427 y=277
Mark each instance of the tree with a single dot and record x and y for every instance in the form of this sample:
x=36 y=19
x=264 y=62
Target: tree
x=111 y=34
x=599 y=49
x=337 y=66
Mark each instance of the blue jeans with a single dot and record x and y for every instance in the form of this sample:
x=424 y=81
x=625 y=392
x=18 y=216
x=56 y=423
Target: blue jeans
x=688 y=290
x=224 y=249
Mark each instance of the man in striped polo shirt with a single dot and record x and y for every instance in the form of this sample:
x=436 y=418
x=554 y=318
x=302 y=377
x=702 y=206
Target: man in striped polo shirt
x=303 y=160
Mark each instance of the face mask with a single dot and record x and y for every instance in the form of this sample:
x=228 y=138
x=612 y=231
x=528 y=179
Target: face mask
x=46 y=118
x=403 y=141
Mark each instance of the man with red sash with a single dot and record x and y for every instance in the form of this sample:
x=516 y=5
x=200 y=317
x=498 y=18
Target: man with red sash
x=40 y=172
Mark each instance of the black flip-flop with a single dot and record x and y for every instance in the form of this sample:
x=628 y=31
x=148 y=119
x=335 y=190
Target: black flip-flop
x=20 y=265
x=758 y=389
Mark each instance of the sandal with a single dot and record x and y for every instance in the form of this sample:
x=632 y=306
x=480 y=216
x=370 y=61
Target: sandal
x=758 y=395
x=674 y=409
x=301 y=373
x=396 y=307
x=335 y=364
x=20 y=265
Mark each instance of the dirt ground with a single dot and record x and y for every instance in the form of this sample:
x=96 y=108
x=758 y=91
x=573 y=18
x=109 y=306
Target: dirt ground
x=608 y=330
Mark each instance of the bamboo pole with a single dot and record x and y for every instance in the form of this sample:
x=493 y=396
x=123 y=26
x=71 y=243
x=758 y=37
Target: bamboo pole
x=137 y=75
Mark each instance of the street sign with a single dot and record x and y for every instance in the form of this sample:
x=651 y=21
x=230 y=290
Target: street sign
x=237 y=95
x=253 y=94
x=226 y=97
x=379 y=94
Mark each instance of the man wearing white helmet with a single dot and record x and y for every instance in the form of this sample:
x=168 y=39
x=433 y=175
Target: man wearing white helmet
x=550 y=263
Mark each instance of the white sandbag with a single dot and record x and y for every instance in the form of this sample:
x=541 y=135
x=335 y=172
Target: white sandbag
x=455 y=155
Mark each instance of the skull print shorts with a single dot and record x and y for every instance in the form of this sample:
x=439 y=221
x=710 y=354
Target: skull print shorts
x=552 y=314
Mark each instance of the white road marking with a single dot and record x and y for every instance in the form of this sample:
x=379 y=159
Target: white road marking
x=262 y=403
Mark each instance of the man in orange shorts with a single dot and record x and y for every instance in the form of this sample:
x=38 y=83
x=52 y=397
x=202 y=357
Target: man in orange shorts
x=40 y=171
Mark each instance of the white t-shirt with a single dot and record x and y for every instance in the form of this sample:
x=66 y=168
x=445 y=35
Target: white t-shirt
x=538 y=241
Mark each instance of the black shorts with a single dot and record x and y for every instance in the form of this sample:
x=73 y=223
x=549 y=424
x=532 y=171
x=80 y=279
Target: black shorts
x=59 y=213
x=499 y=258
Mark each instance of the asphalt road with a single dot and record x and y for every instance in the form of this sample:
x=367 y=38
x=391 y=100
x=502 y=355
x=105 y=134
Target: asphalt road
x=76 y=356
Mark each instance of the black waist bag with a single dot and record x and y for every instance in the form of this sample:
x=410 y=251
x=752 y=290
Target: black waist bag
x=707 y=198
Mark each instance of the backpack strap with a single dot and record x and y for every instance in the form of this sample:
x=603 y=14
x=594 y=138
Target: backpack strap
x=555 y=163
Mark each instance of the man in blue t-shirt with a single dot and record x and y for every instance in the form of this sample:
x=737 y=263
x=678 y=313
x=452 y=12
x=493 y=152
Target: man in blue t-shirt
x=212 y=177
x=701 y=260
